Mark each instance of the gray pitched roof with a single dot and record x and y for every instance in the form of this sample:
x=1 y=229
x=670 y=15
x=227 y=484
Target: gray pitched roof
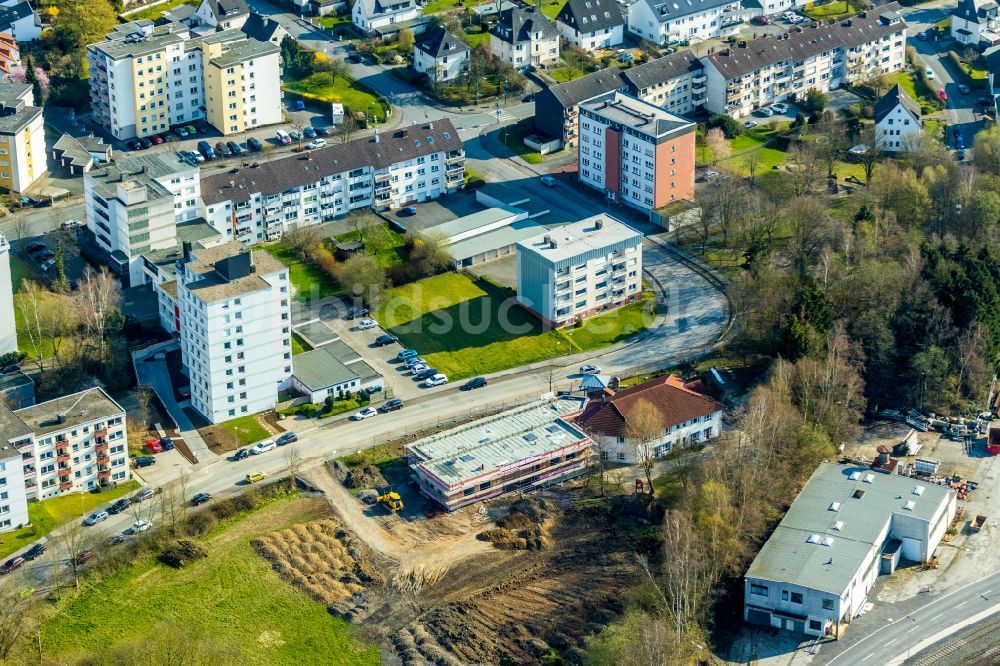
x=591 y=15
x=805 y=42
x=260 y=27
x=894 y=98
x=517 y=25
x=596 y=83
x=381 y=7
x=9 y=15
x=671 y=10
x=439 y=42
x=228 y=8
x=661 y=70
x=972 y=11
x=297 y=170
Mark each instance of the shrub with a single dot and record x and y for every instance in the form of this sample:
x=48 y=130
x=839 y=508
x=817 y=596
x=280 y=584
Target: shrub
x=729 y=125
x=181 y=552
x=199 y=523
x=815 y=101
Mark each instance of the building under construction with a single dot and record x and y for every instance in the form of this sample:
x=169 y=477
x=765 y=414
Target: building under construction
x=519 y=449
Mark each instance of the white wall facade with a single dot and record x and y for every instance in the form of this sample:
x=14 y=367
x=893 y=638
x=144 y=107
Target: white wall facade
x=589 y=41
x=896 y=131
x=444 y=68
x=529 y=53
x=8 y=332
x=628 y=451
x=368 y=23
x=262 y=91
x=13 y=495
x=187 y=86
x=706 y=24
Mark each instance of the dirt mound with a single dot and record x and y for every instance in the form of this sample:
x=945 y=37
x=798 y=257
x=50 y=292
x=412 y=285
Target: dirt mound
x=503 y=539
x=366 y=476
x=526 y=527
x=322 y=558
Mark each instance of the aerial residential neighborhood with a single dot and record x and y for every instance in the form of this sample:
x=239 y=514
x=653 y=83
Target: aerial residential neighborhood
x=492 y=332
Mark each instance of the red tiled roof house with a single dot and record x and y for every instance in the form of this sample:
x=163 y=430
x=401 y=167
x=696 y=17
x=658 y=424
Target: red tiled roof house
x=688 y=415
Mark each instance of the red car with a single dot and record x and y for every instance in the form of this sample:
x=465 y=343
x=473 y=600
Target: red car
x=157 y=139
x=942 y=95
x=761 y=20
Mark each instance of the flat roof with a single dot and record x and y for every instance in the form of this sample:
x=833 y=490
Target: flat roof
x=635 y=113
x=593 y=233
x=470 y=222
x=78 y=408
x=14 y=380
x=316 y=333
x=496 y=239
x=319 y=369
x=211 y=286
x=504 y=193
x=364 y=371
x=240 y=51
x=488 y=444
x=828 y=509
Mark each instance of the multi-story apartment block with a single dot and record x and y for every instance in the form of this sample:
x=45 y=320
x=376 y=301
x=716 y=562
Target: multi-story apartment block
x=134 y=206
x=13 y=495
x=19 y=18
x=71 y=444
x=976 y=22
x=591 y=24
x=384 y=171
x=675 y=82
x=8 y=331
x=897 y=120
x=524 y=37
x=146 y=78
x=667 y=21
x=687 y=415
x=22 y=138
x=10 y=53
x=223 y=14
x=579 y=270
x=440 y=55
x=821 y=56
x=233 y=317
x=635 y=152
x=238 y=96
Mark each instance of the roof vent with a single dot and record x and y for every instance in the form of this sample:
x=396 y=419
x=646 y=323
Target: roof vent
x=869 y=478
x=834 y=506
x=918 y=490
x=839 y=525
x=909 y=506
x=858 y=494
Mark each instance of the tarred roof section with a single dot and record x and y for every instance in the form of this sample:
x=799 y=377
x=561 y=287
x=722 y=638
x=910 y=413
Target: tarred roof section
x=676 y=400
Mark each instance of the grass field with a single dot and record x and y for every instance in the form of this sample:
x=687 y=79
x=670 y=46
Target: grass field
x=232 y=597
x=466 y=327
x=246 y=429
x=305 y=277
x=905 y=81
x=49 y=514
x=324 y=87
x=388 y=243
x=473 y=38
x=153 y=13
x=299 y=346
x=513 y=138
x=551 y=8
x=833 y=10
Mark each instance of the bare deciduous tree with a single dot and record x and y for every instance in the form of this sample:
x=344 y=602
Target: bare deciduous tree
x=99 y=300
x=303 y=241
x=644 y=426
x=716 y=141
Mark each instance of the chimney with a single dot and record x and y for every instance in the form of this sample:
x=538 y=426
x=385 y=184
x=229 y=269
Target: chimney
x=187 y=251
x=376 y=135
x=883 y=455
x=553 y=243
x=547 y=239
x=599 y=224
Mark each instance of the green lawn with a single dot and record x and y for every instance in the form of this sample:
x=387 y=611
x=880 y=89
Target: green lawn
x=20 y=270
x=304 y=276
x=299 y=346
x=47 y=515
x=551 y=8
x=513 y=138
x=324 y=87
x=435 y=6
x=233 y=597
x=466 y=327
x=905 y=81
x=387 y=243
x=473 y=38
x=246 y=429
x=833 y=10
x=153 y=13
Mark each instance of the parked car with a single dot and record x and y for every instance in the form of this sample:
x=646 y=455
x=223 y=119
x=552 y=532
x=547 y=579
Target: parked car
x=241 y=454
x=364 y=413
x=145 y=143
x=765 y=112
x=984 y=101
x=779 y=107
x=234 y=148
x=761 y=20
x=283 y=137
x=359 y=312
x=295 y=135
x=372 y=390
x=929 y=72
x=119 y=506
x=180 y=132
x=590 y=369
x=547 y=181
x=35 y=551
x=222 y=150
x=10 y=369
x=72 y=225
x=474 y=383
x=196 y=156
x=191 y=130
x=408 y=211
x=140 y=526
x=750 y=124
x=12 y=564
x=254 y=477
x=436 y=380
x=411 y=363
x=426 y=373
x=48 y=265
x=366 y=324
x=355 y=58
x=316 y=143
x=942 y=95
x=156 y=139
x=200 y=499
x=96 y=517
x=206 y=150
x=383 y=340
x=300 y=105
x=262 y=446
x=35 y=246
x=963 y=89
x=254 y=146
x=309 y=132
x=391 y=405
x=959 y=139
x=145 y=461
x=286 y=438
x=84 y=556
x=407 y=354
x=417 y=368
x=44 y=256
x=323 y=131
x=143 y=494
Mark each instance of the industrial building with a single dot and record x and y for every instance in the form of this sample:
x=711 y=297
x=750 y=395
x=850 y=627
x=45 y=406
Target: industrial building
x=847 y=526
x=520 y=449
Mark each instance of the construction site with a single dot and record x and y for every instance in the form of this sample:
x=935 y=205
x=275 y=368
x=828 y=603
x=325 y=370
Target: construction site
x=503 y=582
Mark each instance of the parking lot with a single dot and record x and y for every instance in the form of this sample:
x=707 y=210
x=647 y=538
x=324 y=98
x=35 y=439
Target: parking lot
x=34 y=257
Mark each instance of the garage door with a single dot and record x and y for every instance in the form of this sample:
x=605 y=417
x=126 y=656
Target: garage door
x=755 y=616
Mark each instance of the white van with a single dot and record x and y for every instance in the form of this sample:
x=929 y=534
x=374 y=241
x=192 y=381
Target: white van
x=283 y=137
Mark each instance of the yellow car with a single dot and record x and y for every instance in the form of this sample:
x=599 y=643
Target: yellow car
x=255 y=477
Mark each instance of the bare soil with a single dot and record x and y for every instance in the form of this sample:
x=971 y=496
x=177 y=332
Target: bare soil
x=429 y=590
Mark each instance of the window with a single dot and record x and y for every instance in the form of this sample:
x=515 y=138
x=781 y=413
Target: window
x=796 y=597
x=814 y=625
x=759 y=590
x=828 y=604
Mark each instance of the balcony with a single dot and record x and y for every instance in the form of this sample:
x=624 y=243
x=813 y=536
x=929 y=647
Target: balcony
x=64 y=472
x=454 y=159
x=103 y=460
x=62 y=457
x=29 y=470
x=65 y=485
x=382 y=177
x=22 y=445
x=698 y=88
x=101 y=446
x=104 y=474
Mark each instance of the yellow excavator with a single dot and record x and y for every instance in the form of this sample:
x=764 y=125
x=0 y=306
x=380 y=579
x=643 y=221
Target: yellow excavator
x=391 y=500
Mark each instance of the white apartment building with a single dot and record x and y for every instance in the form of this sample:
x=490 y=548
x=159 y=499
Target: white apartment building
x=22 y=138
x=579 y=270
x=976 y=22
x=848 y=525
x=636 y=153
x=414 y=164
x=19 y=19
x=687 y=416
x=8 y=331
x=71 y=444
x=233 y=318
x=134 y=206
x=223 y=14
x=524 y=37
x=591 y=24
x=667 y=21
x=440 y=55
x=145 y=79
x=897 y=121
x=368 y=15
x=753 y=74
x=13 y=494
